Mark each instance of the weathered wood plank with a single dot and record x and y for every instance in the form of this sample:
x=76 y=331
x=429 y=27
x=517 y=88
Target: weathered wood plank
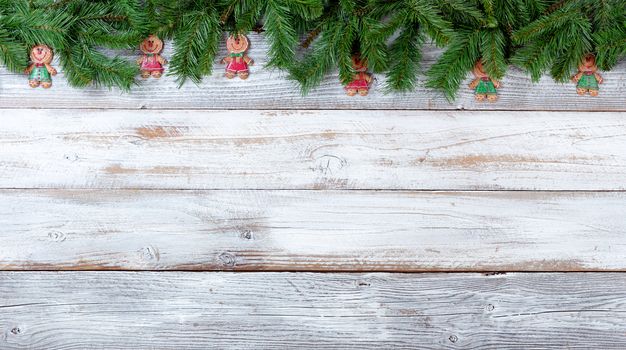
x=312 y=150
x=312 y=230
x=267 y=89
x=115 y=310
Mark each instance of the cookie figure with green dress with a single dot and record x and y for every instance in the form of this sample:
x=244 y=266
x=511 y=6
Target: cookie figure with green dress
x=40 y=71
x=587 y=79
x=484 y=87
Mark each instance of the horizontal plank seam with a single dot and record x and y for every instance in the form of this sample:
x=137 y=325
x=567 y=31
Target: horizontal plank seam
x=486 y=272
x=141 y=108
x=347 y=190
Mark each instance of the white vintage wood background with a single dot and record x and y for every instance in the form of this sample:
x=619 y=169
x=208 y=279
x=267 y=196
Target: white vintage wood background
x=239 y=214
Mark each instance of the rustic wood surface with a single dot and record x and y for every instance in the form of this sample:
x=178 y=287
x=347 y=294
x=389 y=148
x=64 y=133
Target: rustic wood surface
x=111 y=310
x=267 y=89
x=250 y=176
x=312 y=230
x=312 y=150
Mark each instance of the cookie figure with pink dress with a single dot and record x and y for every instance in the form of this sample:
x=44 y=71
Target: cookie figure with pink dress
x=237 y=61
x=151 y=62
x=362 y=79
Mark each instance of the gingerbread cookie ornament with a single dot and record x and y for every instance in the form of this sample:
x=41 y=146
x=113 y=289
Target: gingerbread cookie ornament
x=237 y=61
x=361 y=81
x=484 y=86
x=151 y=62
x=587 y=79
x=40 y=71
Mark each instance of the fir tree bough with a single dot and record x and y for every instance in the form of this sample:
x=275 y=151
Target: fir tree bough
x=567 y=31
x=312 y=38
x=484 y=36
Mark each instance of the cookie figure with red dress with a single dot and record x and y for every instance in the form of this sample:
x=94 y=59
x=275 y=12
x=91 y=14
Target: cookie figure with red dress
x=483 y=85
x=362 y=79
x=237 y=61
x=40 y=71
x=151 y=62
x=587 y=78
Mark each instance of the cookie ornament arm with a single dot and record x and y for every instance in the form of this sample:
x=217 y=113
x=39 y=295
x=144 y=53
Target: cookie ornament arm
x=50 y=69
x=598 y=77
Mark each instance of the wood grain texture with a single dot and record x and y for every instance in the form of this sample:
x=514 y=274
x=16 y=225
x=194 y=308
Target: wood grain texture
x=312 y=150
x=76 y=311
x=312 y=230
x=267 y=89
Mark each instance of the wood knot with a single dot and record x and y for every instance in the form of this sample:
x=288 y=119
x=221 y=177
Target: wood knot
x=227 y=259
x=71 y=157
x=363 y=284
x=246 y=234
x=149 y=253
x=490 y=307
x=328 y=164
x=16 y=330
x=56 y=236
x=453 y=338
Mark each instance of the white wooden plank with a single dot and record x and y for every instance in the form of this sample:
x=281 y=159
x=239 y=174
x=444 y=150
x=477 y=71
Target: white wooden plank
x=312 y=150
x=114 y=310
x=312 y=230
x=267 y=89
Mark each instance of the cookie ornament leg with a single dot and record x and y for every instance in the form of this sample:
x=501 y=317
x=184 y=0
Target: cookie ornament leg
x=40 y=70
x=587 y=79
x=361 y=81
x=484 y=86
x=237 y=61
x=151 y=62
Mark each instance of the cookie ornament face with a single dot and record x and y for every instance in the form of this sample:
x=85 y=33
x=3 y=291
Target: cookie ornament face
x=41 y=54
x=40 y=71
x=588 y=63
x=151 y=45
x=479 y=71
x=237 y=44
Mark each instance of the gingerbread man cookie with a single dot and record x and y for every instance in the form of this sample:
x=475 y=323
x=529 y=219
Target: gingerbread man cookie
x=40 y=71
x=237 y=61
x=484 y=86
x=151 y=62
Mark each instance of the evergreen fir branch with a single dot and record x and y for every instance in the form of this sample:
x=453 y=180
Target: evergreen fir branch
x=281 y=34
x=553 y=22
x=372 y=43
x=345 y=50
x=462 y=12
x=310 y=72
x=406 y=53
x=196 y=42
x=452 y=67
x=424 y=13
x=12 y=53
x=492 y=47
